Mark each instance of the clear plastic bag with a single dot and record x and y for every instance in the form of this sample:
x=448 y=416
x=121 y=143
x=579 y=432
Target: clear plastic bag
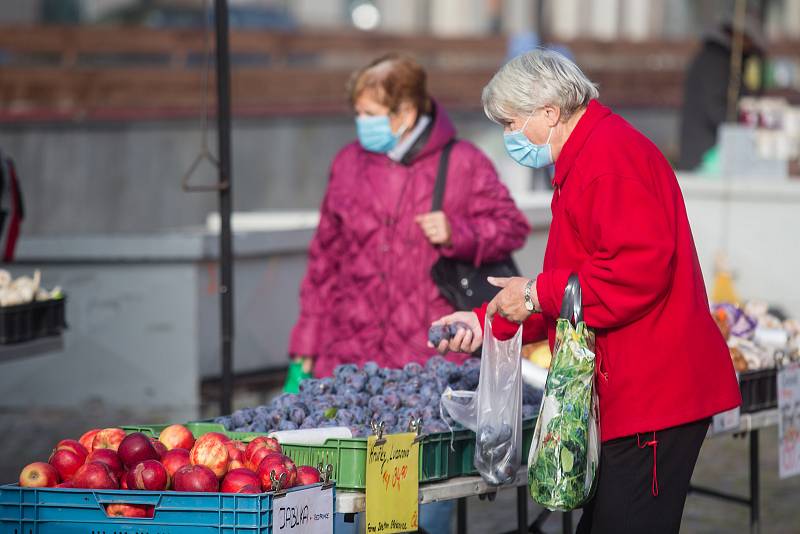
x=562 y=463
x=494 y=411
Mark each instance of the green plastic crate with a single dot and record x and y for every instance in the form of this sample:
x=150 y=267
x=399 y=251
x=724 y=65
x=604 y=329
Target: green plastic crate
x=438 y=461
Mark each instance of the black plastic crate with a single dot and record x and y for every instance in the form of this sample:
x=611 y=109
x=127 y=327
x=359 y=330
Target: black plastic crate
x=25 y=322
x=759 y=390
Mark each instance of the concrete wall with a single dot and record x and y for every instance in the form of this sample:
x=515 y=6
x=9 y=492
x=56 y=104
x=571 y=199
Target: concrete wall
x=753 y=221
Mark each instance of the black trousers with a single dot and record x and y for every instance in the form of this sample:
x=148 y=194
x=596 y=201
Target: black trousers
x=643 y=481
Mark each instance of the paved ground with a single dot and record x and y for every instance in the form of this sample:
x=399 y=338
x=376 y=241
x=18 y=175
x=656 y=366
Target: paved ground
x=29 y=436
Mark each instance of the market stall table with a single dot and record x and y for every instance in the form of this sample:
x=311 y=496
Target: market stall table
x=352 y=502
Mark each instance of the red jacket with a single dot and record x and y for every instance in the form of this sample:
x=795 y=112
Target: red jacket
x=619 y=221
x=368 y=293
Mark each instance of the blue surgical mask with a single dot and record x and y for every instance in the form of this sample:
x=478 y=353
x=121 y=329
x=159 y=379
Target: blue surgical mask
x=525 y=152
x=375 y=133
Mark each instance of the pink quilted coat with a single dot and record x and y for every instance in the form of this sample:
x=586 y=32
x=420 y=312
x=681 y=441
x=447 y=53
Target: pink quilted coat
x=367 y=293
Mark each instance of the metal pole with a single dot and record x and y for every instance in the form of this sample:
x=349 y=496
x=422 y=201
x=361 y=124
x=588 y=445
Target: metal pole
x=522 y=509
x=225 y=180
x=755 y=497
x=737 y=45
x=461 y=515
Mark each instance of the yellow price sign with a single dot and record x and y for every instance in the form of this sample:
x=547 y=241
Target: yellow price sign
x=392 y=484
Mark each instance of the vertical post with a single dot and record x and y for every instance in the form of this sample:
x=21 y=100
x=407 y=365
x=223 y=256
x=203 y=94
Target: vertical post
x=461 y=515
x=522 y=509
x=755 y=497
x=737 y=42
x=225 y=180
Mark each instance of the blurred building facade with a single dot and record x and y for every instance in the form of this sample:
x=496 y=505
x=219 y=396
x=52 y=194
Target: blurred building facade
x=562 y=19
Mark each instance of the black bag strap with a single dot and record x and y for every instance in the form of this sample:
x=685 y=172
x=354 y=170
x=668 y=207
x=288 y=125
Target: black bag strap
x=571 y=305
x=441 y=176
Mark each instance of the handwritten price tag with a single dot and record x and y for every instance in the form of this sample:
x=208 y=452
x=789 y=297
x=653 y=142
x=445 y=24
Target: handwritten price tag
x=393 y=484
x=789 y=420
x=306 y=511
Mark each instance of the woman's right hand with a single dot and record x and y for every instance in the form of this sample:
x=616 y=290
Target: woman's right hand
x=466 y=339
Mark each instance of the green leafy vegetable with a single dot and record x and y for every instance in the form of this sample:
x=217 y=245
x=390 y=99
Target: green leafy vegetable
x=561 y=471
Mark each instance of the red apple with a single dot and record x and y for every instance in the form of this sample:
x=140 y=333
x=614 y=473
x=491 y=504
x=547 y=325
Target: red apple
x=258 y=457
x=174 y=460
x=234 y=452
x=259 y=443
x=195 y=478
x=278 y=464
x=307 y=475
x=236 y=464
x=210 y=450
x=67 y=484
x=38 y=475
x=160 y=448
x=72 y=445
x=148 y=475
x=95 y=475
x=108 y=457
x=127 y=510
x=250 y=488
x=123 y=480
x=218 y=435
x=135 y=448
x=238 y=478
x=108 y=438
x=66 y=463
x=88 y=438
x=176 y=437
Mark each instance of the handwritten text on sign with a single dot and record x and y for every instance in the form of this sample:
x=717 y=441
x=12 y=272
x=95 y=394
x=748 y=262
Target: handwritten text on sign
x=393 y=484
x=309 y=511
x=789 y=420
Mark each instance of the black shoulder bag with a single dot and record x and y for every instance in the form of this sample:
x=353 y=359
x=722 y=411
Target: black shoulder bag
x=462 y=283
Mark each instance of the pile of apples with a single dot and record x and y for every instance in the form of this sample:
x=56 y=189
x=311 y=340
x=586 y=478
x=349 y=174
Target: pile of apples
x=111 y=459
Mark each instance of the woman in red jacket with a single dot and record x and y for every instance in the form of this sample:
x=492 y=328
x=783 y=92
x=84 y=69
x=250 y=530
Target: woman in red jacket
x=619 y=222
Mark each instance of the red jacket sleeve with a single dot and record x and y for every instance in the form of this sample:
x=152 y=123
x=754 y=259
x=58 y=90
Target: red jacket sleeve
x=631 y=244
x=323 y=264
x=492 y=226
x=533 y=329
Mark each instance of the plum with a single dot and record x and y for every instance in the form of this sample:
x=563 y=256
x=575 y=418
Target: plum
x=371 y=369
x=412 y=369
x=375 y=385
x=341 y=372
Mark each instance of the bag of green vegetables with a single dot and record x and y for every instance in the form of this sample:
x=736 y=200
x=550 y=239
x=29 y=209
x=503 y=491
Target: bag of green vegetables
x=562 y=463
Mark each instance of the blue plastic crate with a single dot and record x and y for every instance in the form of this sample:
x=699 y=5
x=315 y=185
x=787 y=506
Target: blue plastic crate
x=65 y=511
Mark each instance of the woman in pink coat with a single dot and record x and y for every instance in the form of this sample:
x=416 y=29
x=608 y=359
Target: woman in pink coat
x=368 y=293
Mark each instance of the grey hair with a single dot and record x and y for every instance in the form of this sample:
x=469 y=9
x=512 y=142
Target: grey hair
x=535 y=79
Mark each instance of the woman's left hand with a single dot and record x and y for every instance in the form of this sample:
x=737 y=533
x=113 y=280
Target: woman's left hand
x=435 y=227
x=509 y=303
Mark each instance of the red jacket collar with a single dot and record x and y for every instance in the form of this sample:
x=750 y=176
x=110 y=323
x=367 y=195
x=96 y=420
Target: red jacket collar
x=595 y=112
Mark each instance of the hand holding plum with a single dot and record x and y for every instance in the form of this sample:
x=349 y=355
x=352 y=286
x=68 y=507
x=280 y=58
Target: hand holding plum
x=457 y=332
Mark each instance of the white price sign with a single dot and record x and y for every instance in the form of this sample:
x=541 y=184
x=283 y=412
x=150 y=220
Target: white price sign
x=789 y=420
x=309 y=511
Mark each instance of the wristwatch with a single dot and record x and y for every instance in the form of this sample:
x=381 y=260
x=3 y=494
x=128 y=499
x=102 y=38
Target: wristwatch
x=528 y=300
